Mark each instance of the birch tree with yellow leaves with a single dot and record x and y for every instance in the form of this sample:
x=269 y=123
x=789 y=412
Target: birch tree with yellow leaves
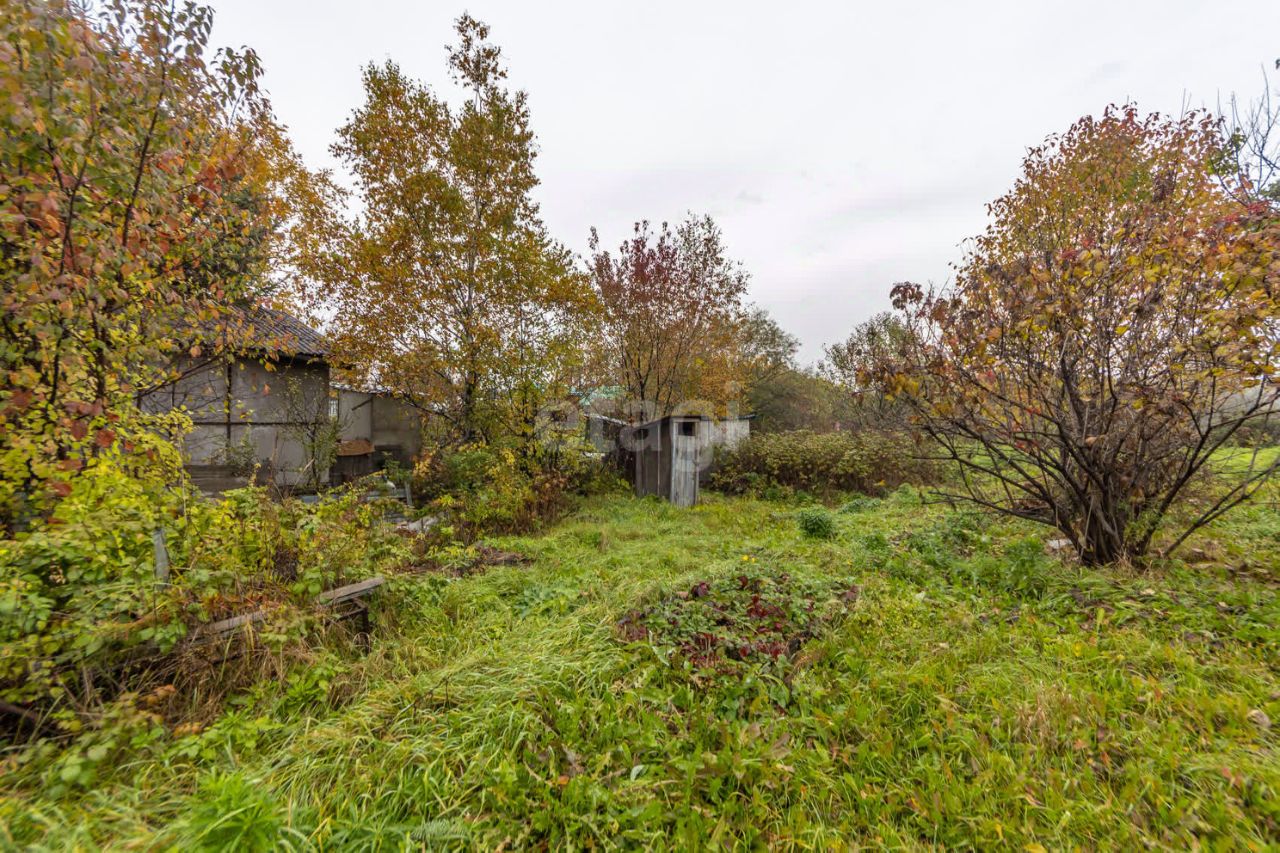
x=445 y=288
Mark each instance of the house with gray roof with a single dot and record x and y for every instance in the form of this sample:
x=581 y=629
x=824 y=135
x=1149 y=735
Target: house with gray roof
x=256 y=387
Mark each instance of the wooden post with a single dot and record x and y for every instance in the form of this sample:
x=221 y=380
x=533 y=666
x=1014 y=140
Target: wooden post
x=162 y=557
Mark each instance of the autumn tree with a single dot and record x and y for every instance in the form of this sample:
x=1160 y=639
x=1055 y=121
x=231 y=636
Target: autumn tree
x=798 y=399
x=135 y=201
x=673 y=314
x=445 y=288
x=759 y=348
x=851 y=364
x=1111 y=331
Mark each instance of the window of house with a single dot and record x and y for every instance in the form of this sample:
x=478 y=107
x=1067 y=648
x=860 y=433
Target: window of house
x=333 y=408
x=688 y=428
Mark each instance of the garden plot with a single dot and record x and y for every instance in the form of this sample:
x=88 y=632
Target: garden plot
x=751 y=617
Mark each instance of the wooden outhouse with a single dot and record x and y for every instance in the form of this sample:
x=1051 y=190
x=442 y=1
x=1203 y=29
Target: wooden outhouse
x=671 y=454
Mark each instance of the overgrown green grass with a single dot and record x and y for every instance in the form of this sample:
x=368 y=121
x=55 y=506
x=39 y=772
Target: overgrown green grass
x=977 y=693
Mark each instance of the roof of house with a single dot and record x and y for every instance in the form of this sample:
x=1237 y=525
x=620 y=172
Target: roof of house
x=695 y=417
x=264 y=329
x=276 y=330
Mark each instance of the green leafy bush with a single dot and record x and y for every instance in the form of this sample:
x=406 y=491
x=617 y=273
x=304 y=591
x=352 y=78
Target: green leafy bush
x=482 y=489
x=233 y=812
x=821 y=463
x=817 y=523
x=83 y=582
x=84 y=618
x=862 y=503
x=957 y=551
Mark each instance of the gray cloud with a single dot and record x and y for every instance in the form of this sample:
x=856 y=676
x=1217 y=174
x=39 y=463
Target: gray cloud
x=843 y=146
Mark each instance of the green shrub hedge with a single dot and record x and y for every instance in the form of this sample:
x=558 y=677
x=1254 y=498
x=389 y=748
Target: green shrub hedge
x=485 y=489
x=872 y=463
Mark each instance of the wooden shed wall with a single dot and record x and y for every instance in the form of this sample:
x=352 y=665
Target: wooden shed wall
x=728 y=433
x=649 y=464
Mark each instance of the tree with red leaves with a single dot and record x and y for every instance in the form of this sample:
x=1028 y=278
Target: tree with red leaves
x=672 y=313
x=1111 y=332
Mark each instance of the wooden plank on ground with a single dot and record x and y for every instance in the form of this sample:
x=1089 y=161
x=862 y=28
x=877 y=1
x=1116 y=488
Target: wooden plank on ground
x=350 y=591
x=225 y=626
x=328 y=598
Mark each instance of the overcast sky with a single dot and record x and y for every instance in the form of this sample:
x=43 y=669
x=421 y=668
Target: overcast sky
x=841 y=146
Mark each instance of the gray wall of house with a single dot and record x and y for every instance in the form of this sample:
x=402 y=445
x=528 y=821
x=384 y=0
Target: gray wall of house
x=355 y=414
x=243 y=410
x=658 y=464
x=392 y=426
x=647 y=444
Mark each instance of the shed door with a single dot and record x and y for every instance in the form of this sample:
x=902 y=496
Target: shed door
x=684 y=463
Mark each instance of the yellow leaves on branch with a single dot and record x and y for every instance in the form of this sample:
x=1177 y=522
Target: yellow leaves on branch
x=445 y=288
x=135 y=208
